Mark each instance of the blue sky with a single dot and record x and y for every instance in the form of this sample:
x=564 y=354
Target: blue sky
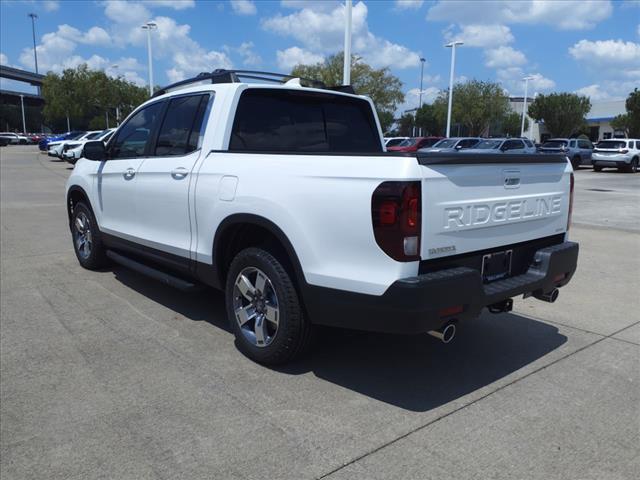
x=592 y=47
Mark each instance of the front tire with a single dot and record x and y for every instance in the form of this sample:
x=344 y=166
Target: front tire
x=597 y=168
x=87 y=241
x=575 y=162
x=264 y=310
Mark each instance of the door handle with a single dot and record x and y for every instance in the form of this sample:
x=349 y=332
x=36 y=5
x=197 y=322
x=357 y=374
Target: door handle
x=179 y=173
x=129 y=173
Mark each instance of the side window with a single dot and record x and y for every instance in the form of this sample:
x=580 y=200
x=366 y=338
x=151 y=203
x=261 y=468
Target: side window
x=513 y=145
x=182 y=125
x=638 y=144
x=528 y=143
x=572 y=144
x=467 y=143
x=134 y=135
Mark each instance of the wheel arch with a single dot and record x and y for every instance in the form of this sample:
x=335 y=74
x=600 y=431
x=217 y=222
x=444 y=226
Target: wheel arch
x=243 y=230
x=76 y=194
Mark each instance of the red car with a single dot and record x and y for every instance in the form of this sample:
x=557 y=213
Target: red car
x=414 y=144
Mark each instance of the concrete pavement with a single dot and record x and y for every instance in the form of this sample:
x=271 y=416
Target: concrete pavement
x=112 y=375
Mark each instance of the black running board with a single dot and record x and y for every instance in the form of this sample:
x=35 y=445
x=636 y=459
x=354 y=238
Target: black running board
x=151 y=272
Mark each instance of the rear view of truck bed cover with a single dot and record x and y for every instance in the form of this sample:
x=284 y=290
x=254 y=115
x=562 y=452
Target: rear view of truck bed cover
x=461 y=158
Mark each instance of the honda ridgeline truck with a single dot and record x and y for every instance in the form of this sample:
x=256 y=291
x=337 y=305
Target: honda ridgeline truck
x=283 y=196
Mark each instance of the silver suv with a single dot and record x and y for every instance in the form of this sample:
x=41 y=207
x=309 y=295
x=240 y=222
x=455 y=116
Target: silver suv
x=577 y=149
x=622 y=153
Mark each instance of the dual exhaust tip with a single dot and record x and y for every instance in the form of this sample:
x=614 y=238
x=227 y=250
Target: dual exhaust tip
x=447 y=332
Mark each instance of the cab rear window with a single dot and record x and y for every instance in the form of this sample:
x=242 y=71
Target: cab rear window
x=277 y=120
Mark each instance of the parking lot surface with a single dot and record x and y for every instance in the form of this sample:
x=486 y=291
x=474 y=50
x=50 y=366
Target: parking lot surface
x=112 y=375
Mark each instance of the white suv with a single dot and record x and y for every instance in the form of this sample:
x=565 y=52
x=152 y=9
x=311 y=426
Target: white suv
x=283 y=196
x=620 y=153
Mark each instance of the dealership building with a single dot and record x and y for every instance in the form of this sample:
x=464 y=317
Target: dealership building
x=598 y=119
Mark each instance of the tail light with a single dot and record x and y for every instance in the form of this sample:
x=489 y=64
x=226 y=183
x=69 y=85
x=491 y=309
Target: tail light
x=571 y=185
x=396 y=214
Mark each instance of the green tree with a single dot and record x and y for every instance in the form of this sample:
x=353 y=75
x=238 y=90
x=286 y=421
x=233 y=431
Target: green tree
x=562 y=113
x=633 y=113
x=511 y=124
x=384 y=88
x=86 y=95
x=622 y=122
x=431 y=119
x=405 y=125
x=477 y=105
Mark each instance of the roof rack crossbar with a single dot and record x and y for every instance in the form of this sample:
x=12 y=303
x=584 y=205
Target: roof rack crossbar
x=233 y=76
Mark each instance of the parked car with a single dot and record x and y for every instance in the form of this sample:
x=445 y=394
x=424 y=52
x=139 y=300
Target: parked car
x=303 y=226
x=453 y=144
x=72 y=150
x=623 y=154
x=56 y=148
x=393 y=141
x=15 y=138
x=503 y=145
x=4 y=141
x=413 y=144
x=578 y=150
x=43 y=144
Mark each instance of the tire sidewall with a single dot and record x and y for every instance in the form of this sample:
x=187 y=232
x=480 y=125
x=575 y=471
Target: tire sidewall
x=290 y=314
x=96 y=258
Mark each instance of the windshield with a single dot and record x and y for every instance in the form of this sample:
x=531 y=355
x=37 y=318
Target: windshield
x=612 y=144
x=446 y=143
x=489 y=144
x=409 y=142
x=555 y=144
x=395 y=142
x=94 y=135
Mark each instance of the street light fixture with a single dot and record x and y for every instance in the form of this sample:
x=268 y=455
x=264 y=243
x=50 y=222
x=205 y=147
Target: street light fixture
x=524 y=103
x=148 y=27
x=422 y=60
x=453 y=46
x=33 y=32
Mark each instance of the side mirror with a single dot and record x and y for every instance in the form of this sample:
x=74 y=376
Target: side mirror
x=458 y=147
x=95 y=151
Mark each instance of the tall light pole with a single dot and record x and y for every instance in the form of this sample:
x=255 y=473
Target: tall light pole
x=24 y=123
x=148 y=27
x=453 y=46
x=115 y=67
x=33 y=32
x=346 y=69
x=422 y=60
x=524 y=104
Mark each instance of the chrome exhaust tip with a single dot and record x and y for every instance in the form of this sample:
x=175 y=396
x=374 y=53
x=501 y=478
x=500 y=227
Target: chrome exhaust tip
x=444 y=334
x=550 y=296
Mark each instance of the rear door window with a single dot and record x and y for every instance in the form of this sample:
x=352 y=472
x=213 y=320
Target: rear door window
x=180 y=130
x=274 y=120
x=513 y=145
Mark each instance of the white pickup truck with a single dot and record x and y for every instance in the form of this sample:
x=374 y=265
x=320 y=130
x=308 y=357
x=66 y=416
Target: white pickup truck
x=283 y=196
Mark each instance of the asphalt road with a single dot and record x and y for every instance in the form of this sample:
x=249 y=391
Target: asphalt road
x=111 y=375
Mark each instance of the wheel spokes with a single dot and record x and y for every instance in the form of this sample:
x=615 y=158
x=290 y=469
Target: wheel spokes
x=271 y=313
x=79 y=224
x=261 y=280
x=260 y=329
x=244 y=314
x=245 y=287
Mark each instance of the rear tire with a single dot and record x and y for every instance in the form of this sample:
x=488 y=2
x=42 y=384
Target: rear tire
x=575 y=162
x=87 y=240
x=633 y=166
x=264 y=309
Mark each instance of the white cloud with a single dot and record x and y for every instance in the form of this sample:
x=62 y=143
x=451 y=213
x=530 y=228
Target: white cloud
x=4 y=60
x=594 y=92
x=175 y=4
x=475 y=35
x=512 y=80
x=562 y=14
x=246 y=51
x=289 y=58
x=243 y=7
x=50 y=5
x=504 y=57
x=608 y=90
x=607 y=53
x=409 y=4
x=321 y=32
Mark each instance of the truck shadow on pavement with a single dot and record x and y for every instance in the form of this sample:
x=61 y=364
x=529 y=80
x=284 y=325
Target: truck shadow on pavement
x=413 y=372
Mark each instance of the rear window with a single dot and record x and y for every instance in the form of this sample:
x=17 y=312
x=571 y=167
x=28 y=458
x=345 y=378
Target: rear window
x=409 y=142
x=554 y=144
x=272 y=120
x=394 y=142
x=612 y=144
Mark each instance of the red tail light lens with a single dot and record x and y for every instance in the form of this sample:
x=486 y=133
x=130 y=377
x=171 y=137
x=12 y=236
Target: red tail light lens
x=396 y=214
x=571 y=185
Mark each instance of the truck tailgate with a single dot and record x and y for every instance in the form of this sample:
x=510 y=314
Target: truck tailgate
x=474 y=202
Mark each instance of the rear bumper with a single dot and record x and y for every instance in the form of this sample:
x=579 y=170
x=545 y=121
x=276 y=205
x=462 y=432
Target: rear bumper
x=611 y=160
x=414 y=305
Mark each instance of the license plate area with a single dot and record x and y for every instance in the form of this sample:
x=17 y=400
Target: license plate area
x=496 y=266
